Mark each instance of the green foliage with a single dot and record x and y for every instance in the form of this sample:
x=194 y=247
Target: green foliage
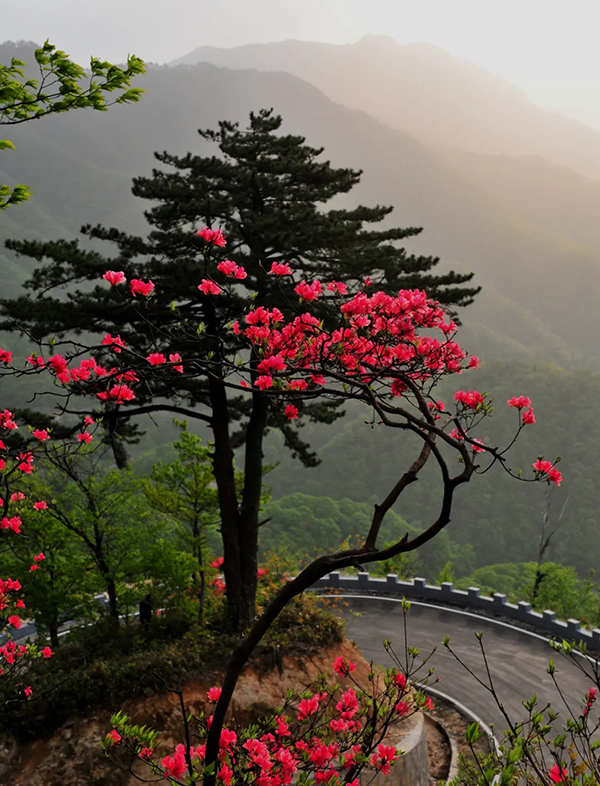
x=405 y=566
x=59 y=88
x=304 y=525
x=63 y=586
x=99 y=532
x=145 y=736
x=509 y=578
x=563 y=591
x=99 y=666
x=559 y=589
x=168 y=569
x=446 y=574
x=12 y=196
x=185 y=488
x=184 y=491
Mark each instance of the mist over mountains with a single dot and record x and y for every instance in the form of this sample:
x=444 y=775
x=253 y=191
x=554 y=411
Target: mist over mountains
x=585 y=113
x=418 y=88
x=529 y=244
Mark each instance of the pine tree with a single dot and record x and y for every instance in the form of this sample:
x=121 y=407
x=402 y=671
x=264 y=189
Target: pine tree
x=266 y=192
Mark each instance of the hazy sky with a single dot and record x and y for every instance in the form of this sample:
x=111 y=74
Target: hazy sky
x=548 y=47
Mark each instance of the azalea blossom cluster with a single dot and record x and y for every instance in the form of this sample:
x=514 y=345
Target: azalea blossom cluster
x=397 y=345
x=110 y=385
x=15 y=466
x=12 y=469
x=378 y=345
x=328 y=734
x=560 y=772
x=218 y=584
x=387 y=349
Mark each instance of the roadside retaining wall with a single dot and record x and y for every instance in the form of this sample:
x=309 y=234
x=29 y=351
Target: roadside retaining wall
x=471 y=599
x=412 y=768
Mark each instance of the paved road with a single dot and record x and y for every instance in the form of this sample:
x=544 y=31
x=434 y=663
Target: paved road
x=517 y=659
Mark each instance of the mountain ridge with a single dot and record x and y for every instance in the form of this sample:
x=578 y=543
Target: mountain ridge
x=87 y=159
x=443 y=100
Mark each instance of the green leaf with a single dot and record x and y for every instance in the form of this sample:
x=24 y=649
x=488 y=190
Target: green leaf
x=473 y=733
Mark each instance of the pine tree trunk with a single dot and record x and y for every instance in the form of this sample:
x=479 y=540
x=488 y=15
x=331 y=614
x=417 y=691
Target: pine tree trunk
x=113 y=607
x=250 y=510
x=239 y=524
x=53 y=632
x=224 y=472
x=200 y=576
x=245 y=604
x=121 y=457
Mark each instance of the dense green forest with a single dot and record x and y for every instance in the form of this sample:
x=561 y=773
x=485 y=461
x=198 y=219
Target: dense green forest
x=122 y=534
x=493 y=519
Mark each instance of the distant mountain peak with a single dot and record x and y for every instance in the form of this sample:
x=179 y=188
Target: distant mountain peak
x=378 y=40
x=390 y=44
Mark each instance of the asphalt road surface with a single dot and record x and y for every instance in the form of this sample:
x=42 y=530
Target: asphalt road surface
x=517 y=659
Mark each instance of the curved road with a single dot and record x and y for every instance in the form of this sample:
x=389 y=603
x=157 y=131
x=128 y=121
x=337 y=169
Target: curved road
x=517 y=659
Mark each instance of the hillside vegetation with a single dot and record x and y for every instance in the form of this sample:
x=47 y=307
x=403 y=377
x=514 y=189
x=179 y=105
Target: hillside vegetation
x=499 y=216
x=494 y=521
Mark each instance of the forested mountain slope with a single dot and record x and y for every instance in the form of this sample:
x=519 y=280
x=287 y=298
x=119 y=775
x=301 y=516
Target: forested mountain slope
x=442 y=100
x=539 y=290
x=495 y=517
x=554 y=198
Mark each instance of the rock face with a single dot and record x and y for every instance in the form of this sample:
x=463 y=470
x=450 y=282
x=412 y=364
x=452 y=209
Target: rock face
x=71 y=755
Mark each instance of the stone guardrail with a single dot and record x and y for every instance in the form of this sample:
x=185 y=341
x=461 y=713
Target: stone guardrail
x=471 y=599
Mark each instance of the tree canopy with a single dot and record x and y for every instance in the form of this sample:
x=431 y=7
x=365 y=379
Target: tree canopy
x=266 y=191
x=269 y=194
x=60 y=86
